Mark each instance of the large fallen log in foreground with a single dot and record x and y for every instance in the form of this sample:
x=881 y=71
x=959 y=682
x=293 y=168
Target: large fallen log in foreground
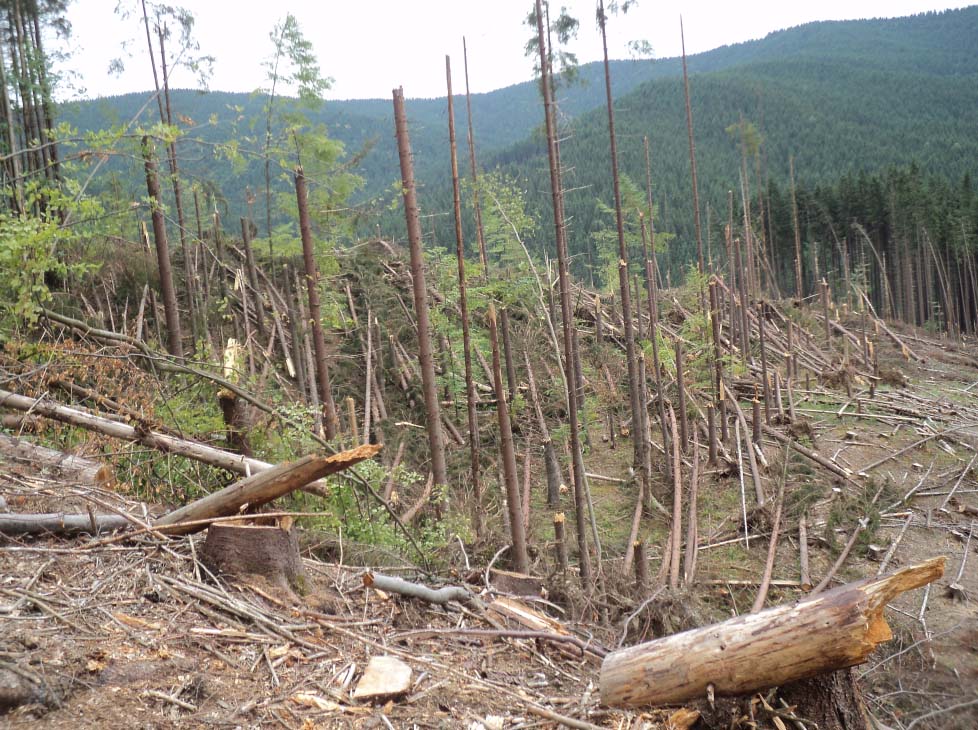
x=235 y=463
x=818 y=634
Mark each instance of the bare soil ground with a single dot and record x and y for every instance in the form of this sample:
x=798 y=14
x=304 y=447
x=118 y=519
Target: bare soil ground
x=134 y=634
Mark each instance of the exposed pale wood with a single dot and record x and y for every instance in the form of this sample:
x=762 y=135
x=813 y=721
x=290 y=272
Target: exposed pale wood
x=263 y=487
x=385 y=676
x=834 y=630
x=392 y=584
x=69 y=466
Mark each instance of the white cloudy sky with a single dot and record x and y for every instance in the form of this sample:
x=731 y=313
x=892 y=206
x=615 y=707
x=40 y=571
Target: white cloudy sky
x=371 y=46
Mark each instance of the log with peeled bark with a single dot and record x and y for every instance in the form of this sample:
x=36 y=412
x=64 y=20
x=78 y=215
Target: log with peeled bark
x=67 y=466
x=261 y=488
x=749 y=653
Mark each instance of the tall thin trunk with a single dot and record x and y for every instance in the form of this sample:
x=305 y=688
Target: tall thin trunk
x=567 y=312
x=799 y=282
x=177 y=194
x=473 y=418
x=13 y=154
x=252 y=272
x=45 y=90
x=325 y=391
x=624 y=283
x=429 y=387
x=474 y=170
x=174 y=335
x=517 y=528
x=692 y=155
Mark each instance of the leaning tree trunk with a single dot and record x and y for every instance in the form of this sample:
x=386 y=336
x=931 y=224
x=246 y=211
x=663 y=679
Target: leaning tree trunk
x=177 y=194
x=474 y=170
x=174 y=336
x=428 y=386
x=692 y=156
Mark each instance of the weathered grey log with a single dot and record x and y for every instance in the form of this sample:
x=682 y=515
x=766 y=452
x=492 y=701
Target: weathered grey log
x=749 y=653
x=68 y=466
x=261 y=488
x=391 y=584
x=57 y=523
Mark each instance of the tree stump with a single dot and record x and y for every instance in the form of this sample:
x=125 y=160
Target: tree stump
x=240 y=550
x=833 y=701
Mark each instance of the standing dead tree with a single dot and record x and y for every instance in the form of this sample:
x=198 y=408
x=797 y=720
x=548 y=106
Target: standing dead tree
x=470 y=396
x=566 y=307
x=171 y=311
x=429 y=388
x=331 y=421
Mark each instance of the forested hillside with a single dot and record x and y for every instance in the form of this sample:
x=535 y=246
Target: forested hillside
x=842 y=97
x=308 y=419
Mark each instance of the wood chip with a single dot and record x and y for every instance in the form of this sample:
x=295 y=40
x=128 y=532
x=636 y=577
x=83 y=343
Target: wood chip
x=385 y=676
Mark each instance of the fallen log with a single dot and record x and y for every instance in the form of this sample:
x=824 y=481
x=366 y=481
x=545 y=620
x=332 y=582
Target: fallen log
x=235 y=463
x=809 y=454
x=68 y=466
x=261 y=488
x=60 y=524
x=438 y=596
x=749 y=653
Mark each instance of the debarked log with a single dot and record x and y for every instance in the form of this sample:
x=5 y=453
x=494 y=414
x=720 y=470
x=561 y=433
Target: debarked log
x=749 y=653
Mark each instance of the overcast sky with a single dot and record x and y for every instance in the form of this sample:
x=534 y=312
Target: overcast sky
x=371 y=46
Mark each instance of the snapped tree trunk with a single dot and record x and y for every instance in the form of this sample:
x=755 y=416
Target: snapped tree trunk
x=173 y=333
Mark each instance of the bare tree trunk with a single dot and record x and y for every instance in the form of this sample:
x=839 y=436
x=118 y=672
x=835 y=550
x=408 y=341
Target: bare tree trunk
x=436 y=443
x=799 y=281
x=692 y=155
x=517 y=529
x=331 y=420
x=567 y=313
x=624 y=280
x=252 y=272
x=174 y=335
x=473 y=418
x=177 y=196
x=475 y=174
